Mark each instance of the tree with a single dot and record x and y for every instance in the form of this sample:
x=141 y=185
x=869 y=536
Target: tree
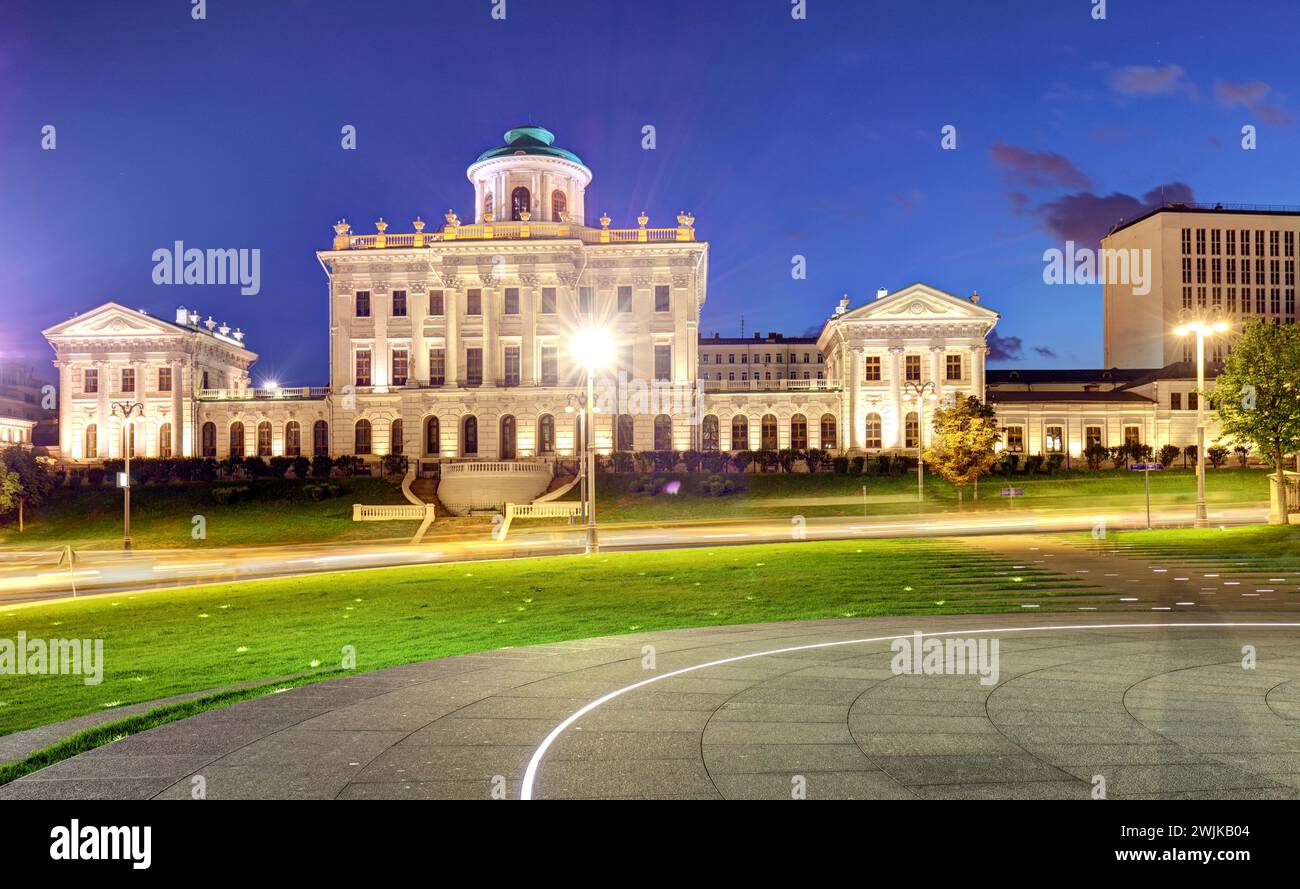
x=25 y=482
x=1257 y=397
x=963 y=447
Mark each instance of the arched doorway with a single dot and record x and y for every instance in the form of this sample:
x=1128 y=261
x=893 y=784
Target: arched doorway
x=520 y=202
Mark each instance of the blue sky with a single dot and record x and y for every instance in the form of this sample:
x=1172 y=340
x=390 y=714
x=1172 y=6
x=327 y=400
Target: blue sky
x=818 y=137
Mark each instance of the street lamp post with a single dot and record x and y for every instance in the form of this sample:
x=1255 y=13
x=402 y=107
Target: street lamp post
x=920 y=390
x=593 y=349
x=1203 y=324
x=127 y=409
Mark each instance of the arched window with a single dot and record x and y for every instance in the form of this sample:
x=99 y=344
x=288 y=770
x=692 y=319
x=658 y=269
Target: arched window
x=264 y=439
x=292 y=439
x=508 y=438
x=320 y=439
x=829 y=441
x=395 y=437
x=768 y=437
x=469 y=437
x=236 y=439
x=209 y=440
x=487 y=204
x=361 y=437
x=90 y=447
x=663 y=433
x=740 y=433
x=165 y=440
x=520 y=201
x=873 y=439
x=624 y=438
x=546 y=434
x=559 y=205
x=799 y=432
x=432 y=437
x=709 y=434
x=910 y=430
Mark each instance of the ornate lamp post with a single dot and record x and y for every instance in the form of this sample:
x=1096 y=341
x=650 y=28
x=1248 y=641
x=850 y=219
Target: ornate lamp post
x=126 y=410
x=592 y=348
x=921 y=391
x=1202 y=323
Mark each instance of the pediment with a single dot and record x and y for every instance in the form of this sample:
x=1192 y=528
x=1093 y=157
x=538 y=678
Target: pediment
x=113 y=320
x=920 y=303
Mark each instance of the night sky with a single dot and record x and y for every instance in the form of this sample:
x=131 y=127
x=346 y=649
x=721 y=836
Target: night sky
x=818 y=137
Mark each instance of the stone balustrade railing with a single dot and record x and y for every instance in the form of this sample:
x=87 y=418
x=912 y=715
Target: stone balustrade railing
x=345 y=239
x=284 y=394
x=769 y=385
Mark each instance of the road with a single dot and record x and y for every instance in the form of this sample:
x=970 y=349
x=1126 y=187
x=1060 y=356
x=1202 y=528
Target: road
x=46 y=575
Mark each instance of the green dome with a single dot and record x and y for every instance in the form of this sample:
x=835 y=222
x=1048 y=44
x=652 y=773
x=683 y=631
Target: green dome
x=529 y=140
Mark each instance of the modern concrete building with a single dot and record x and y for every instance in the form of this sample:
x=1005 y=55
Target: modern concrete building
x=1239 y=259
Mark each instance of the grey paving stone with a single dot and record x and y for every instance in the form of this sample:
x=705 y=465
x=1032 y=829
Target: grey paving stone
x=860 y=785
x=408 y=762
x=643 y=779
x=785 y=758
x=981 y=768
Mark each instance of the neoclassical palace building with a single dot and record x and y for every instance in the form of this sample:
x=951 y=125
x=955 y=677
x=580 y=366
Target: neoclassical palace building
x=452 y=344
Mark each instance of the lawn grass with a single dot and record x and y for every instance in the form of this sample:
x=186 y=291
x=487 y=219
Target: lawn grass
x=278 y=511
x=829 y=494
x=1269 y=548
x=165 y=643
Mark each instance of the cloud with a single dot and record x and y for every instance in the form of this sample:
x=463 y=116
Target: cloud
x=1037 y=169
x=1004 y=348
x=1144 y=80
x=1045 y=352
x=1253 y=97
x=1085 y=217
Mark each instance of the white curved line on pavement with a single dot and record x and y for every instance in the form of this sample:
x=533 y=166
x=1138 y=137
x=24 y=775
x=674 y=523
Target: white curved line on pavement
x=530 y=774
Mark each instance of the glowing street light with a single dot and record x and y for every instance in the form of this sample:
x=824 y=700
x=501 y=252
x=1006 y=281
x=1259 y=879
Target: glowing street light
x=1202 y=324
x=127 y=409
x=921 y=391
x=591 y=348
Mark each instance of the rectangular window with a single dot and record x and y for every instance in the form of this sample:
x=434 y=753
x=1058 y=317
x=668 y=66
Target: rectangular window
x=548 y=300
x=550 y=366
x=128 y=379
x=474 y=367
x=1191 y=401
x=1175 y=401
x=435 y=302
x=663 y=362
x=584 y=300
x=1091 y=436
x=912 y=367
x=164 y=379
x=362 y=301
x=474 y=302
x=399 y=303
x=437 y=367
x=1053 y=440
x=91 y=383
x=512 y=301
x=625 y=299
x=510 y=369
x=1015 y=439
x=872 y=363
x=954 y=367
x=662 y=301
x=400 y=367
x=363 y=368
x=1132 y=435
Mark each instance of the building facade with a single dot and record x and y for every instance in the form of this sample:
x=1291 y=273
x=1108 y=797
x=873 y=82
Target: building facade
x=1239 y=260
x=454 y=345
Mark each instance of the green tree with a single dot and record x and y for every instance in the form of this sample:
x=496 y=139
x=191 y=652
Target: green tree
x=26 y=481
x=1258 y=397
x=964 y=443
x=11 y=489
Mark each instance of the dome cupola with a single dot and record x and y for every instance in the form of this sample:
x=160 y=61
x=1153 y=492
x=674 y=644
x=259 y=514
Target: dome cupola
x=529 y=178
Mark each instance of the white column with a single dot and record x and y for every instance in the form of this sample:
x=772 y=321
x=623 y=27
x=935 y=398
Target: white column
x=477 y=215
x=529 y=301
x=103 y=412
x=65 y=410
x=937 y=371
x=417 y=305
x=178 y=409
x=451 y=357
x=488 y=305
x=977 y=354
x=896 y=394
x=855 y=396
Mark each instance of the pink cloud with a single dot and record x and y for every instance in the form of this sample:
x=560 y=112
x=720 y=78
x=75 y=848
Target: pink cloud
x=1037 y=169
